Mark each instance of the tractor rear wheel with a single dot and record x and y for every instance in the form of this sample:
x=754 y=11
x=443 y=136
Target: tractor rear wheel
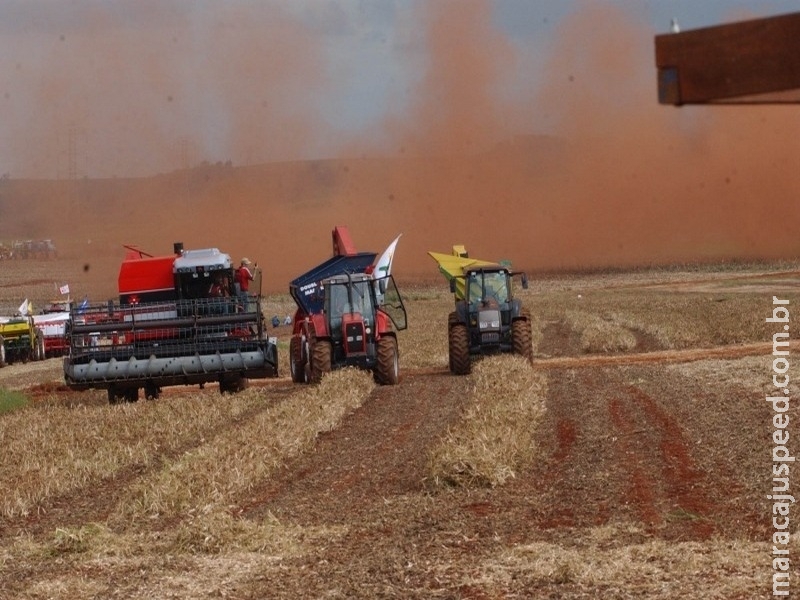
x=521 y=338
x=297 y=365
x=458 y=342
x=387 y=371
x=320 y=359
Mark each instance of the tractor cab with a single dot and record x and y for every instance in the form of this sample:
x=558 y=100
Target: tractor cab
x=488 y=288
x=348 y=299
x=357 y=307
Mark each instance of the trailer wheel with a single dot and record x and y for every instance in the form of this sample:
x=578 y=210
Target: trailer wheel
x=458 y=345
x=320 y=360
x=387 y=371
x=297 y=365
x=2 y=352
x=521 y=338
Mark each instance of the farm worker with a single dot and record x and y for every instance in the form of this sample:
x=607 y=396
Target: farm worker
x=218 y=288
x=243 y=277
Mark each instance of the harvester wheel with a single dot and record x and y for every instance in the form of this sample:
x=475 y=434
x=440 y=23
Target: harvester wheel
x=2 y=352
x=387 y=371
x=151 y=391
x=117 y=395
x=521 y=338
x=232 y=385
x=459 y=349
x=320 y=359
x=297 y=365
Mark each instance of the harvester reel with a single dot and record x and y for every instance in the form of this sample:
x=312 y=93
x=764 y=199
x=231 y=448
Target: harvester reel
x=387 y=371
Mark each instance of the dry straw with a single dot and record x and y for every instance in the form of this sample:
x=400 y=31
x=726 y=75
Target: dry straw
x=598 y=334
x=495 y=437
x=210 y=477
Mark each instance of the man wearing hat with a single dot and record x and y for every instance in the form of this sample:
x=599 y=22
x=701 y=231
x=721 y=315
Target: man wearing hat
x=243 y=277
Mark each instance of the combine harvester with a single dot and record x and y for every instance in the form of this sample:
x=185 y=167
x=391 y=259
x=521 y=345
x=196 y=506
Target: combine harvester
x=169 y=328
x=348 y=312
x=487 y=318
x=53 y=325
x=50 y=335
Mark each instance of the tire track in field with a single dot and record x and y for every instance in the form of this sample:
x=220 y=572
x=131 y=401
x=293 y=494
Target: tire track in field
x=686 y=484
x=616 y=452
x=379 y=451
x=659 y=356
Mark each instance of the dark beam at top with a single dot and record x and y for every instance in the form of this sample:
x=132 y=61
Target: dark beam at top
x=756 y=61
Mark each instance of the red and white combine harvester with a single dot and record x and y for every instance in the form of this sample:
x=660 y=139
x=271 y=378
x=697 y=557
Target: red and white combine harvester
x=178 y=321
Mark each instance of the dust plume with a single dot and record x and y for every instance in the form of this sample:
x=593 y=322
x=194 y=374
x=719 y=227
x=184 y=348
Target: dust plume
x=583 y=170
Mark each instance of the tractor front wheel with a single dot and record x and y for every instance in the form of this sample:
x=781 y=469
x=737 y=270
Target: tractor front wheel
x=320 y=359
x=459 y=349
x=297 y=364
x=521 y=339
x=387 y=371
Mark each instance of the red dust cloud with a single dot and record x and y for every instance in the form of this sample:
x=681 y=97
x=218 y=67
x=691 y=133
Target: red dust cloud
x=617 y=180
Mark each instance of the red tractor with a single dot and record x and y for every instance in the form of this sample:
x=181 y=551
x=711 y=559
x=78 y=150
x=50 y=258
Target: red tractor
x=178 y=322
x=348 y=312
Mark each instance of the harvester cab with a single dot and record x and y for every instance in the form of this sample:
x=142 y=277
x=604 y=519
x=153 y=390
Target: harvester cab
x=487 y=318
x=349 y=310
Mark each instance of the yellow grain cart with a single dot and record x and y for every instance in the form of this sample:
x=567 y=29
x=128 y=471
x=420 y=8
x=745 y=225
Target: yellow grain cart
x=487 y=318
x=20 y=341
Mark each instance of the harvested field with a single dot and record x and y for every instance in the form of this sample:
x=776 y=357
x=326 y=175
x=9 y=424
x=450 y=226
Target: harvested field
x=632 y=461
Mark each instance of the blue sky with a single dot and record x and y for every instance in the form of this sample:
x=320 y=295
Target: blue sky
x=133 y=87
